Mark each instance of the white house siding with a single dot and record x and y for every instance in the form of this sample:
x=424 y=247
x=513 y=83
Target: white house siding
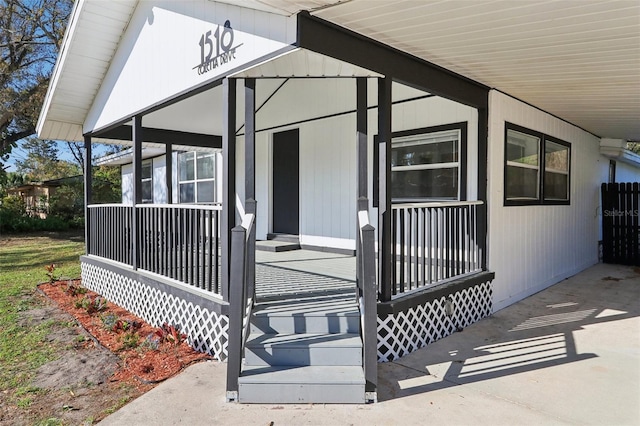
x=126 y=172
x=533 y=247
x=159 y=53
x=626 y=172
x=159 y=181
x=328 y=152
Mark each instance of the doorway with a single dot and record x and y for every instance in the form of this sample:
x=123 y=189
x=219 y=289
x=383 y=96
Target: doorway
x=286 y=182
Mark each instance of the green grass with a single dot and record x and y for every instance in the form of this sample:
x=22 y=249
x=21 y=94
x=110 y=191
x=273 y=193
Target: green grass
x=23 y=346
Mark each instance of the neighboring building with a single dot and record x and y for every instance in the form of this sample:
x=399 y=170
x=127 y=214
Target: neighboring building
x=36 y=195
x=247 y=124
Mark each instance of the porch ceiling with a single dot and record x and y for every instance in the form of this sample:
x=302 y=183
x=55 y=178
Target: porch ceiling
x=579 y=60
x=202 y=113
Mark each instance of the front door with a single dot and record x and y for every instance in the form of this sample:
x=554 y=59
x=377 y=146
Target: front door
x=286 y=182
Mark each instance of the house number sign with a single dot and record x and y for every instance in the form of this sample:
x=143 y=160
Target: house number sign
x=218 y=50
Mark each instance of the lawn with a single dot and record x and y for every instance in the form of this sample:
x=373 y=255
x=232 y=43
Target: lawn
x=23 y=345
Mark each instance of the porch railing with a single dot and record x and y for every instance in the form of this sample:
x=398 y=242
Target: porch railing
x=110 y=227
x=176 y=241
x=241 y=300
x=433 y=242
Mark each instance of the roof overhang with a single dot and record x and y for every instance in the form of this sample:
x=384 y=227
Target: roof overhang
x=91 y=39
x=615 y=149
x=321 y=49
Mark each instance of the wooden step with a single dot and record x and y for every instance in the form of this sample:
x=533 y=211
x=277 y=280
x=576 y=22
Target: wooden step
x=303 y=349
x=277 y=246
x=302 y=385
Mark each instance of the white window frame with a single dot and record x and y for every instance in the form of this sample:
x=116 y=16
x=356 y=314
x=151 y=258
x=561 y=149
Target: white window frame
x=452 y=135
x=195 y=181
x=147 y=180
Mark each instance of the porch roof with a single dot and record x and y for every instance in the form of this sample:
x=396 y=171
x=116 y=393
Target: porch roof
x=579 y=62
x=89 y=48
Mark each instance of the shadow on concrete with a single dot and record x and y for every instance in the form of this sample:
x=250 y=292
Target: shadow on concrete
x=534 y=334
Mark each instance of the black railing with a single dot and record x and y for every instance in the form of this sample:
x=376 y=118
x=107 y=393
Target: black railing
x=110 y=229
x=432 y=243
x=241 y=300
x=367 y=294
x=177 y=241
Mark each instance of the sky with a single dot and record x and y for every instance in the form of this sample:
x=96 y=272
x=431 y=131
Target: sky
x=19 y=154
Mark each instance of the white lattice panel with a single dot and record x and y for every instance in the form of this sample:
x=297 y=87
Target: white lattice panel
x=408 y=331
x=206 y=330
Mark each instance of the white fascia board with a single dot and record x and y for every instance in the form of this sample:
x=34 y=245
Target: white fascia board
x=57 y=69
x=621 y=154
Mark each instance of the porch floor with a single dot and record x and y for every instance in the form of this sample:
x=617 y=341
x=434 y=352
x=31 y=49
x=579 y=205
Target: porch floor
x=304 y=274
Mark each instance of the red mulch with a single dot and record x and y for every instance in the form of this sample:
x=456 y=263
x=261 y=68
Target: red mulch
x=142 y=367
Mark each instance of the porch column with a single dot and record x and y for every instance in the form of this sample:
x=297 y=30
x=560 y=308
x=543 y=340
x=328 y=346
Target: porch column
x=361 y=132
x=361 y=166
x=250 y=173
x=137 y=189
x=88 y=177
x=168 y=153
x=228 y=219
x=384 y=188
x=483 y=128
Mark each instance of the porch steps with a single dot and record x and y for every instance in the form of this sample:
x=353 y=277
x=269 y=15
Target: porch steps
x=304 y=350
x=279 y=243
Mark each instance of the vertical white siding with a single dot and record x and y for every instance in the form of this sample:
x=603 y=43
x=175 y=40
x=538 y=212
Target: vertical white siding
x=328 y=152
x=627 y=173
x=126 y=172
x=532 y=247
x=159 y=54
x=159 y=181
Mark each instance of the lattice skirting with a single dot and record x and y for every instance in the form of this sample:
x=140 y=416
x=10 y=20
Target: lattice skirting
x=405 y=332
x=207 y=331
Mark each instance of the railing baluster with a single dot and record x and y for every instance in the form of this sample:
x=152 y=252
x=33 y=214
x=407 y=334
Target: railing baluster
x=432 y=243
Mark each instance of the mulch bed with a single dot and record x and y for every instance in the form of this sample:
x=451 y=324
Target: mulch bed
x=145 y=358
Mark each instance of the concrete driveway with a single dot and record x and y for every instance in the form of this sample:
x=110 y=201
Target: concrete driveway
x=569 y=355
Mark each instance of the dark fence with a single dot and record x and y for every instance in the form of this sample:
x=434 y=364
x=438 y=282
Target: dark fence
x=434 y=242
x=620 y=224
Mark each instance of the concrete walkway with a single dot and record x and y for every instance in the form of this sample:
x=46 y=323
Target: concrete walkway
x=569 y=355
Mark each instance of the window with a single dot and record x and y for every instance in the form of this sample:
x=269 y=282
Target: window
x=147 y=181
x=530 y=176
x=196 y=177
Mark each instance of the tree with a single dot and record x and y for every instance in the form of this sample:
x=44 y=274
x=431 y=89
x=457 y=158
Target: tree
x=41 y=162
x=31 y=33
x=107 y=187
x=634 y=147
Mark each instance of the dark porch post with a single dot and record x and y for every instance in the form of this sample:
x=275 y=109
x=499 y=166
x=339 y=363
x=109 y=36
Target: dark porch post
x=361 y=155
x=361 y=125
x=384 y=188
x=88 y=177
x=483 y=129
x=250 y=174
x=365 y=242
x=137 y=189
x=168 y=153
x=228 y=219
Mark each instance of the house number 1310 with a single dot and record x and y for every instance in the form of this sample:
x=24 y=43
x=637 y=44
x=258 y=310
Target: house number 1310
x=223 y=42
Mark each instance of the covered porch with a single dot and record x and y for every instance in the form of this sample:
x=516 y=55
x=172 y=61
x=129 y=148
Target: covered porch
x=397 y=233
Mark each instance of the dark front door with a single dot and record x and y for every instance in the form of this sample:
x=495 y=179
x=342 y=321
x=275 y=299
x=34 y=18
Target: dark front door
x=286 y=182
